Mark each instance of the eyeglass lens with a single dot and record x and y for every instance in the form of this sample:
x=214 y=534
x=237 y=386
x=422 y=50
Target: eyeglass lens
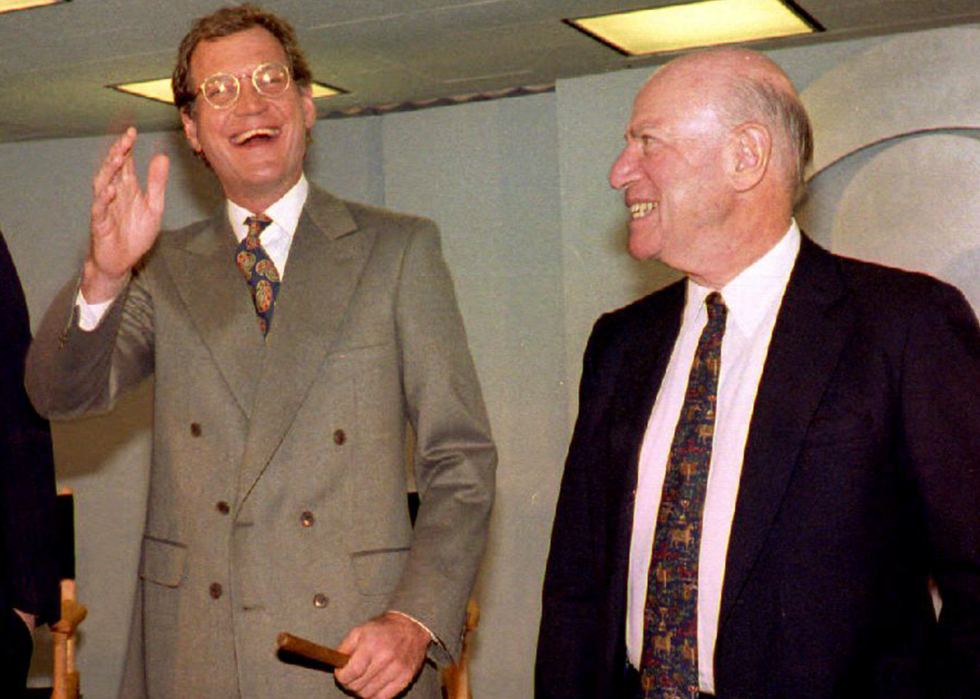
x=221 y=90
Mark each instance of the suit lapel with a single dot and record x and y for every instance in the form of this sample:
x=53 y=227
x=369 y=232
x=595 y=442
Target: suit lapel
x=218 y=302
x=811 y=330
x=325 y=265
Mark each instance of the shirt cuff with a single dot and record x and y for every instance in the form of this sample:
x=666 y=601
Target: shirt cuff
x=90 y=314
x=432 y=637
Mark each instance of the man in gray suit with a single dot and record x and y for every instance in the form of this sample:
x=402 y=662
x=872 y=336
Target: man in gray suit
x=282 y=399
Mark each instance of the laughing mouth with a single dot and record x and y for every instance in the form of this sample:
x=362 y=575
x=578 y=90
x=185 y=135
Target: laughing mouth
x=643 y=208
x=253 y=135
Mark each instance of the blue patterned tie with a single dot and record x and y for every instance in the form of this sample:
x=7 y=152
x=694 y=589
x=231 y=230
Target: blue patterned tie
x=669 y=663
x=259 y=270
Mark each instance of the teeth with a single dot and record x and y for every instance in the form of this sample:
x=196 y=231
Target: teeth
x=641 y=209
x=251 y=133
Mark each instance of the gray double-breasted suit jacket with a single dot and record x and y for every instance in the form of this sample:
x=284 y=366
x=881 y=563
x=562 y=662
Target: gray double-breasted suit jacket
x=278 y=489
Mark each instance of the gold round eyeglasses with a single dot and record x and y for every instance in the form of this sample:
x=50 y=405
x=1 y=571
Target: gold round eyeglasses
x=221 y=90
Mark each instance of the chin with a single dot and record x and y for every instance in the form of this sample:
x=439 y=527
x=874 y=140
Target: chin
x=643 y=245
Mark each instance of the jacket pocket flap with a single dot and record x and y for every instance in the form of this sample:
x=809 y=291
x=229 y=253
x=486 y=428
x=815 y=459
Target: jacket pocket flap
x=163 y=562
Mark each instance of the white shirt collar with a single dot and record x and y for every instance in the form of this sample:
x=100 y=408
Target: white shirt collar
x=284 y=213
x=751 y=295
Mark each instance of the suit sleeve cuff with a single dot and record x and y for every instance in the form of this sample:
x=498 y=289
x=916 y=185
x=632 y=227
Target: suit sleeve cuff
x=437 y=649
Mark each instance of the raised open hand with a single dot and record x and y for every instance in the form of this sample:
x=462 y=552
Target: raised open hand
x=125 y=219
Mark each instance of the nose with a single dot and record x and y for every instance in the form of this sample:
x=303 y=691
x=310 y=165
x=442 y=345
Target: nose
x=623 y=169
x=249 y=99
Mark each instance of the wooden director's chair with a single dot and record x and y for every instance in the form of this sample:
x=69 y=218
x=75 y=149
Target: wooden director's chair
x=64 y=674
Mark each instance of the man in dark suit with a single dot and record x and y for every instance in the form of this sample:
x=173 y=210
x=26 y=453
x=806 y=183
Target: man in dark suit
x=28 y=572
x=772 y=457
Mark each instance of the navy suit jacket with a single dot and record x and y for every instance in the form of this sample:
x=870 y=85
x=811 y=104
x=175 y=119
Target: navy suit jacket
x=860 y=482
x=28 y=570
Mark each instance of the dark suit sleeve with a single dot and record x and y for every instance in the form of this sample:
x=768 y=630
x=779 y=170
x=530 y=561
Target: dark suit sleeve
x=569 y=641
x=941 y=415
x=27 y=523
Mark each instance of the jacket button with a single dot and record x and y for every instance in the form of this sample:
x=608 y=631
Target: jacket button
x=223 y=507
x=307 y=519
x=339 y=437
x=320 y=600
x=215 y=590
x=195 y=429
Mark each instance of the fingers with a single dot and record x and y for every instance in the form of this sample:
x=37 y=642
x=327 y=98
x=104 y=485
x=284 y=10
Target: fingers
x=381 y=687
x=385 y=655
x=114 y=160
x=100 y=206
x=156 y=182
x=362 y=671
x=355 y=666
x=117 y=179
x=105 y=184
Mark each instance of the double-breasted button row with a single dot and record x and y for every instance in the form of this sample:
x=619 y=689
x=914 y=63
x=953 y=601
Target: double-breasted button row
x=222 y=507
x=196 y=429
x=215 y=590
x=320 y=600
x=339 y=437
x=307 y=519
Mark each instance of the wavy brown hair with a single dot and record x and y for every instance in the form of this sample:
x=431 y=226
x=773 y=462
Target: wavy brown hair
x=225 y=22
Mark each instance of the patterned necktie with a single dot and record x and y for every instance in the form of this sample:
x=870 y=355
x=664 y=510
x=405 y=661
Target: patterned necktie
x=259 y=270
x=669 y=663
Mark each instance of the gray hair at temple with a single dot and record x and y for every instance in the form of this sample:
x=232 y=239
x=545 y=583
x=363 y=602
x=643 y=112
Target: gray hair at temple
x=759 y=99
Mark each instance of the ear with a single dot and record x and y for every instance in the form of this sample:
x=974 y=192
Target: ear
x=309 y=109
x=749 y=156
x=190 y=129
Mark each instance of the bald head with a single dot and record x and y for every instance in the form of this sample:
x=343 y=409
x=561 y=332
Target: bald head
x=746 y=86
x=713 y=162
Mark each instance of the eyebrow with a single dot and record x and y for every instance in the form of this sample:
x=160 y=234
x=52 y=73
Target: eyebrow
x=633 y=130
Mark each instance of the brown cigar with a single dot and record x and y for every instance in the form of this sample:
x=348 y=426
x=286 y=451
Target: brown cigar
x=311 y=650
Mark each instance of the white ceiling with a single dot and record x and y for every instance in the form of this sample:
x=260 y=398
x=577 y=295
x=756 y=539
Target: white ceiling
x=56 y=61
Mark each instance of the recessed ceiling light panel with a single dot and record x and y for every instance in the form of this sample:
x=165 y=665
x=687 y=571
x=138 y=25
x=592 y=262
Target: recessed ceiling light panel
x=322 y=90
x=704 y=23
x=160 y=90
x=12 y=5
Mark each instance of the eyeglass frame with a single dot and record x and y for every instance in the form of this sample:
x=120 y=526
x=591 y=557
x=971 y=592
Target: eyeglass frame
x=238 y=84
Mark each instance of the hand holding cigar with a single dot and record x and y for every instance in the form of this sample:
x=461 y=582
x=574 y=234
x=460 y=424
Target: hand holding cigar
x=314 y=651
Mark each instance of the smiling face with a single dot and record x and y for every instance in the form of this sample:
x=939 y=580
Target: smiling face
x=673 y=171
x=257 y=146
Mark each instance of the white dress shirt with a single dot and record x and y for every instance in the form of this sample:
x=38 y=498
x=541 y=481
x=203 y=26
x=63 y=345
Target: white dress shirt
x=277 y=239
x=753 y=299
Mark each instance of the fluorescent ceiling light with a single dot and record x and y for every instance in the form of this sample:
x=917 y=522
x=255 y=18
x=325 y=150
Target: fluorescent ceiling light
x=705 y=23
x=11 y=5
x=160 y=90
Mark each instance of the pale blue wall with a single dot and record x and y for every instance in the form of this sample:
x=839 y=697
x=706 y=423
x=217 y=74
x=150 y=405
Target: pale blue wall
x=486 y=173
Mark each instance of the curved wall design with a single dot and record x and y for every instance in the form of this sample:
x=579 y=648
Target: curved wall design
x=897 y=159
